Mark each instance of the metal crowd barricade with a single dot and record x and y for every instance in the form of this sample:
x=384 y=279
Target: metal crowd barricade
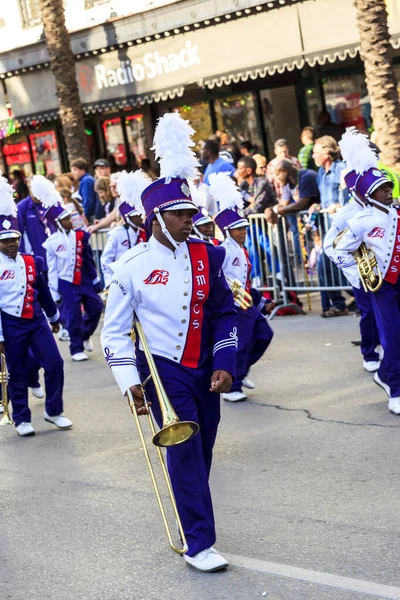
x=288 y=257
x=98 y=240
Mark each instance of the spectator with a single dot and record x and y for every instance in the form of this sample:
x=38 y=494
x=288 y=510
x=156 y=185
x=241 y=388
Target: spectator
x=326 y=127
x=305 y=153
x=228 y=150
x=102 y=188
x=326 y=155
x=79 y=169
x=102 y=168
x=257 y=192
x=72 y=204
x=281 y=150
x=51 y=177
x=19 y=184
x=216 y=164
x=246 y=148
x=299 y=187
x=64 y=181
x=261 y=162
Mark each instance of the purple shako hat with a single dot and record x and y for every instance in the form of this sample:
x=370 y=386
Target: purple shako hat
x=230 y=219
x=369 y=181
x=160 y=196
x=56 y=213
x=9 y=227
x=350 y=180
x=127 y=210
x=202 y=217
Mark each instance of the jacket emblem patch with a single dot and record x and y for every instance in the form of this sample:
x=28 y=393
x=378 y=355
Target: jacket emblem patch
x=157 y=276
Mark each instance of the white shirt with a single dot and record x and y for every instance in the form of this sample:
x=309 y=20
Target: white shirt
x=120 y=239
x=235 y=264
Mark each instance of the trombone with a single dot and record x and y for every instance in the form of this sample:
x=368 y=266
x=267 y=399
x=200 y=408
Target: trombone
x=173 y=432
x=243 y=298
x=4 y=377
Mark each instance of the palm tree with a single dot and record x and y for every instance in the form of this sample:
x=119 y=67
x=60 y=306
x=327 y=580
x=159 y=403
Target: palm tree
x=376 y=53
x=62 y=63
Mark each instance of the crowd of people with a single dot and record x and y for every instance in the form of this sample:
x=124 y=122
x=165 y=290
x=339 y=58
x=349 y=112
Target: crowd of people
x=165 y=272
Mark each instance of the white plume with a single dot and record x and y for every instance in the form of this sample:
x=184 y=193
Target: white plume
x=172 y=147
x=224 y=191
x=44 y=190
x=130 y=187
x=356 y=151
x=198 y=194
x=7 y=204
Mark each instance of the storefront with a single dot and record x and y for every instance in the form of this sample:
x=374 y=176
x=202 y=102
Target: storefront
x=259 y=78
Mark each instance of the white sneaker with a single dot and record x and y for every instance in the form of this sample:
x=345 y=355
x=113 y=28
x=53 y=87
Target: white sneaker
x=1 y=409
x=380 y=351
x=207 y=561
x=88 y=345
x=63 y=335
x=59 y=421
x=79 y=357
x=381 y=384
x=394 y=406
x=371 y=365
x=234 y=396
x=248 y=383
x=25 y=429
x=38 y=392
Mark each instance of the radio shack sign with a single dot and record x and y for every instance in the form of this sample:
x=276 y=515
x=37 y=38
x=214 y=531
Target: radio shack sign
x=124 y=73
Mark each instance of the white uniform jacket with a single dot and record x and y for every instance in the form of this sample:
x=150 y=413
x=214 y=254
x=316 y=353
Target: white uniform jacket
x=120 y=239
x=378 y=230
x=236 y=264
x=63 y=253
x=343 y=260
x=182 y=302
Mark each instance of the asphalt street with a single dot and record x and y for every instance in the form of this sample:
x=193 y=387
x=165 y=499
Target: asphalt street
x=305 y=485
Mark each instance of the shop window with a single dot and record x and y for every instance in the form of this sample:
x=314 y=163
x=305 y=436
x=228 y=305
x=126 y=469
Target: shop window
x=198 y=113
x=136 y=138
x=30 y=13
x=237 y=116
x=16 y=154
x=348 y=102
x=281 y=117
x=115 y=144
x=45 y=152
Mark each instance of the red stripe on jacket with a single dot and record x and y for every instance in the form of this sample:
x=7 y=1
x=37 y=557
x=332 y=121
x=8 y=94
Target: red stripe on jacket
x=200 y=292
x=30 y=269
x=394 y=268
x=78 y=258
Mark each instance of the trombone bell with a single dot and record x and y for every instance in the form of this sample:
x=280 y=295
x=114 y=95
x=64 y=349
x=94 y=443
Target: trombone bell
x=176 y=433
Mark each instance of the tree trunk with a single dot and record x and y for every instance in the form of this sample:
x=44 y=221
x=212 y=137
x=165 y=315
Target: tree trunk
x=62 y=62
x=376 y=53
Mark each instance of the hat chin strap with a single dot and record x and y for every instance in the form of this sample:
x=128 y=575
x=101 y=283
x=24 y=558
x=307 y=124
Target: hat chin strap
x=377 y=203
x=203 y=237
x=165 y=230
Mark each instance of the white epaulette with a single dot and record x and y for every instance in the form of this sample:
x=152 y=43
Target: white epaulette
x=135 y=251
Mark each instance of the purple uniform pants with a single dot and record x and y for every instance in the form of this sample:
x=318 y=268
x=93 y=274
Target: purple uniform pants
x=189 y=463
x=80 y=325
x=19 y=336
x=254 y=337
x=368 y=328
x=386 y=303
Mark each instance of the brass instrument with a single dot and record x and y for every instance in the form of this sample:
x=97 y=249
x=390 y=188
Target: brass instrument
x=367 y=265
x=239 y=293
x=4 y=377
x=173 y=432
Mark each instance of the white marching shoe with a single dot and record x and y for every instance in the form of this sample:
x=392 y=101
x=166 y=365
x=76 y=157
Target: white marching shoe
x=63 y=335
x=371 y=365
x=38 y=392
x=248 y=383
x=381 y=384
x=380 y=351
x=79 y=357
x=207 y=561
x=394 y=406
x=88 y=345
x=234 y=396
x=25 y=429
x=59 y=421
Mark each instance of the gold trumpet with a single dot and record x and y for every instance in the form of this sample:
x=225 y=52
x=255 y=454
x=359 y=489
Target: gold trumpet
x=367 y=265
x=173 y=432
x=239 y=293
x=4 y=377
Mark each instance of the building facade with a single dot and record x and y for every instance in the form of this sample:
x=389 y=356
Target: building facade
x=258 y=70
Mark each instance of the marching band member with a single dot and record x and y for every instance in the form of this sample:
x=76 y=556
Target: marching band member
x=175 y=287
x=72 y=275
x=355 y=149
x=24 y=298
x=378 y=226
x=254 y=332
x=124 y=237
